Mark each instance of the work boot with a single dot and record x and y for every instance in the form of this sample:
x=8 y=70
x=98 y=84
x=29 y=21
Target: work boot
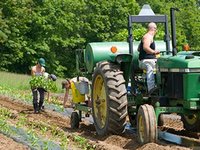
x=36 y=112
x=36 y=109
x=41 y=106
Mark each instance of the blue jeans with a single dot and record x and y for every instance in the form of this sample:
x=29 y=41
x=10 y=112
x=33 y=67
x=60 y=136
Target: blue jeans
x=149 y=65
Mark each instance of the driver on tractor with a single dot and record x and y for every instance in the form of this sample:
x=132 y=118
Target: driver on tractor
x=147 y=56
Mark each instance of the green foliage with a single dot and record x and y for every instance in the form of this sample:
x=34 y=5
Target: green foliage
x=5 y=113
x=42 y=82
x=22 y=121
x=31 y=29
x=82 y=142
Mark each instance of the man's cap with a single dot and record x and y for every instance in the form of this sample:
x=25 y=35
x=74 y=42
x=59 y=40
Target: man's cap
x=41 y=61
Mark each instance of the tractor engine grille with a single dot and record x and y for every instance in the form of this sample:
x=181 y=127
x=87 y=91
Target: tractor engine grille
x=172 y=84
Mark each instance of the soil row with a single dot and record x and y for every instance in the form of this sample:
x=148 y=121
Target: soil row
x=86 y=130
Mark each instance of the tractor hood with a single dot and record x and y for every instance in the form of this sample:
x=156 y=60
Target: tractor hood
x=182 y=60
x=99 y=51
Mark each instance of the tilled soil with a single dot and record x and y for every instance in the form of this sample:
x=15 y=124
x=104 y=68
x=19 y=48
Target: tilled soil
x=110 y=142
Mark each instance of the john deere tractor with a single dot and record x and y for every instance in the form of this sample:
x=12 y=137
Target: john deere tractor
x=119 y=85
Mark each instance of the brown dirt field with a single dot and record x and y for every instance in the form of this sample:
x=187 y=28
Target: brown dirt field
x=110 y=142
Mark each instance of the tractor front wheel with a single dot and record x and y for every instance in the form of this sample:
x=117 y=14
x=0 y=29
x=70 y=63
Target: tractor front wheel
x=146 y=124
x=109 y=99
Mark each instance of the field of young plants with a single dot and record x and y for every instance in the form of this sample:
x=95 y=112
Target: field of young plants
x=21 y=129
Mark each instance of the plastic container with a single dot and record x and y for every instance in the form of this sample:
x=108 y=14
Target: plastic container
x=77 y=97
x=82 y=86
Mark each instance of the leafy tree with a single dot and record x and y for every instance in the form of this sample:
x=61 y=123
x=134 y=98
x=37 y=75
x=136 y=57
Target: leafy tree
x=107 y=19
x=14 y=18
x=54 y=29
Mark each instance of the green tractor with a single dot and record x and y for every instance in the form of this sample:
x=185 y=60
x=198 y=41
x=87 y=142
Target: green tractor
x=118 y=86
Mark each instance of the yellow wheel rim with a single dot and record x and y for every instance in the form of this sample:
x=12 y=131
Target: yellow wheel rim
x=99 y=101
x=141 y=128
x=191 y=119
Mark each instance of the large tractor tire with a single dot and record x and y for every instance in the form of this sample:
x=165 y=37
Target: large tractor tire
x=146 y=124
x=109 y=99
x=191 y=122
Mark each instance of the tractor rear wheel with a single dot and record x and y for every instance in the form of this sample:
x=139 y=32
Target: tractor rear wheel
x=146 y=124
x=109 y=99
x=191 y=122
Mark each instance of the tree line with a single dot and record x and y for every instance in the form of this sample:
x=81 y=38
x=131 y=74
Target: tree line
x=54 y=29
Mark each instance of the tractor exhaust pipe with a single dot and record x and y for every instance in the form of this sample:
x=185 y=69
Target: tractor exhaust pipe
x=173 y=29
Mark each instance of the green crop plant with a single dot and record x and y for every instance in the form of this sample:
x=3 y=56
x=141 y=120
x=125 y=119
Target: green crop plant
x=25 y=96
x=22 y=121
x=55 y=100
x=43 y=129
x=32 y=137
x=42 y=82
x=5 y=90
x=45 y=147
x=5 y=113
x=54 y=131
x=82 y=142
x=64 y=142
x=4 y=127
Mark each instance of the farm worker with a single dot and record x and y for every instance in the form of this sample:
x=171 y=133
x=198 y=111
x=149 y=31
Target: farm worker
x=38 y=70
x=67 y=85
x=147 y=55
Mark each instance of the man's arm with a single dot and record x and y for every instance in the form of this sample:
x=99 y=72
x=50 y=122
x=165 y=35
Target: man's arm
x=33 y=71
x=66 y=97
x=147 y=40
x=43 y=70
